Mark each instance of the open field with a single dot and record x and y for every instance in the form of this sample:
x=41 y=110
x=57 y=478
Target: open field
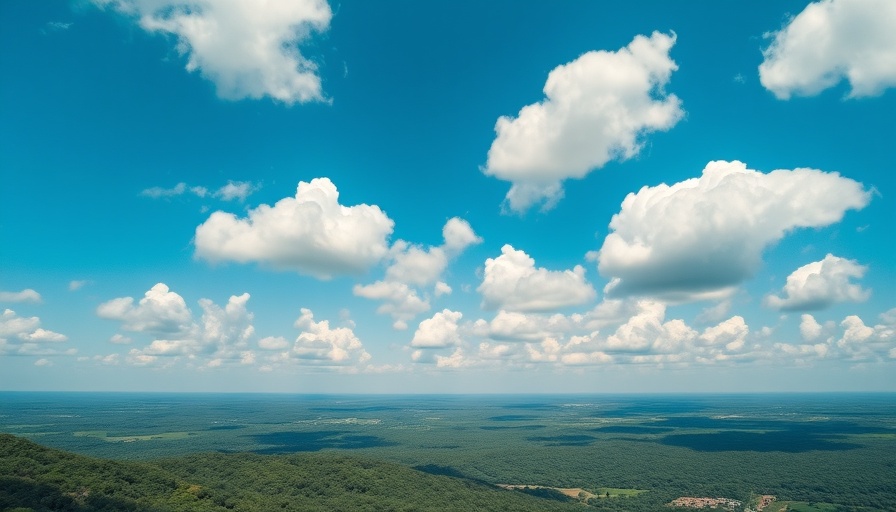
x=101 y=434
x=603 y=492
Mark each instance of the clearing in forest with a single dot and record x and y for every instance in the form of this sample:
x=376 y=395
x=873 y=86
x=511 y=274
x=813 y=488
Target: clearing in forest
x=578 y=493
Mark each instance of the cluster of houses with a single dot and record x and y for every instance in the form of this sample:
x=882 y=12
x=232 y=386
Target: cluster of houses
x=689 y=502
x=725 y=503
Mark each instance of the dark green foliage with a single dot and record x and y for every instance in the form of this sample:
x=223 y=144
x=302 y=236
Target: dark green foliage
x=832 y=449
x=43 y=479
x=545 y=493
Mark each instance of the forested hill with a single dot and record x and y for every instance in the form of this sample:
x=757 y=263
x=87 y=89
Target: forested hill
x=33 y=477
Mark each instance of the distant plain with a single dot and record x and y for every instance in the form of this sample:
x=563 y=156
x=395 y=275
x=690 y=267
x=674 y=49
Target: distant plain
x=643 y=450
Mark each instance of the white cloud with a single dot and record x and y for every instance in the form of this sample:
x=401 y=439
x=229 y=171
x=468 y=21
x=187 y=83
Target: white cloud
x=42 y=335
x=731 y=333
x=415 y=265
x=889 y=316
x=512 y=282
x=159 y=311
x=810 y=329
x=177 y=190
x=273 y=343
x=24 y=336
x=226 y=331
x=412 y=268
x=597 y=108
x=647 y=332
x=516 y=326
x=120 y=339
x=56 y=26
x=12 y=324
x=866 y=343
x=716 y=312
x=647 y=338
x=644 y=336
x=701 y=237
x=856 y=341
x=221 y=333
x=249 y=50
x=441 y=288
x=440 y=331
x=77 y=285
x=457 y=359
x=43 y=362
x=232 y=191
x=820 y=284
x=236 y=190
x=319 y=344
x=109 y=360
x=399 y=300
x=832 y=40
x=638 y=332
x=310 y=233
x=459 y=235
x=803 y=353
x=26 y=295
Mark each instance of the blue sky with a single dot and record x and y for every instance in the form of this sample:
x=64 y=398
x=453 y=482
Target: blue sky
x=447 y=197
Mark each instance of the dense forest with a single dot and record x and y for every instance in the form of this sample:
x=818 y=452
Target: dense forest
x=814 y=453
x=36 y=478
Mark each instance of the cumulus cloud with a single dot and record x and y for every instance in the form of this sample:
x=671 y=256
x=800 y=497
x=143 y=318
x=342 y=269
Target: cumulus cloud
x=159 y=311
x=26 y=295
x=310 y=233
x=247 y=49
x=831 y=40
x=810 y=329
x=643 y=336
x=24 y=336
x=219 y=334
x=399 y=300
x=855 y=341
x=226 y=331
x=321 y=345
x=512 y=282
x=516 y=326
x=701 y=237
x=440 y=331
x=415 y=268
x=273 y=343
x=639 y=332
x=820 y=284
x=862 y=342
x=597 y=108
x=731 y=333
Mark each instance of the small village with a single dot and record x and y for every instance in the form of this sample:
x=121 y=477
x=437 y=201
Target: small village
x=720 y=503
